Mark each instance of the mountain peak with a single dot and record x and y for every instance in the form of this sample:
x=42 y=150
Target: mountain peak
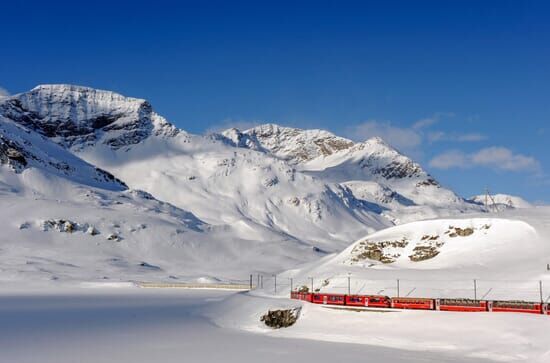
x=77 y=116
x=76 y=92
x=377 y=140
x=297 y=145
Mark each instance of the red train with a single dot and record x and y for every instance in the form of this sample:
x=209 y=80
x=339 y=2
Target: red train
x=378 y=301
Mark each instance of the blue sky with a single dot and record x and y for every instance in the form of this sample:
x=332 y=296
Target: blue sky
x=461 y=86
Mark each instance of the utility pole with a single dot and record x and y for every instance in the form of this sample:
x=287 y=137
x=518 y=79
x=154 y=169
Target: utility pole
x=250 y=281
x=291 y=285
x=349 y=283
x=489 y=197
x=397 y=287
x=540 y=290
x=475 y=290
x=311 y=278
x=275 y=283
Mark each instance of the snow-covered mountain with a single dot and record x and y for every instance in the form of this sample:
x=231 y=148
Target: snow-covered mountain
x=76 y=117
x=63 y=219
x=501 y=201
x=372 y=170
x=279 y=193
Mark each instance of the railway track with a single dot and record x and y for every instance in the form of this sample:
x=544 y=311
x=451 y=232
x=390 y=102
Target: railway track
x=185 y=285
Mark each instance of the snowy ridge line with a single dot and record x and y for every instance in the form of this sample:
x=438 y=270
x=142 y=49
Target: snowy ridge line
x=183 y=285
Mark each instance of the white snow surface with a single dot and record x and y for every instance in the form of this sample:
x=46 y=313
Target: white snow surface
x=143 y=325
x=488 y=337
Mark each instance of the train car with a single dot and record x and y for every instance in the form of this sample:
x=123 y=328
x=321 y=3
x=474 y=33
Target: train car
x=329 y=299
x=305 y=296
x=368 y=300
x=356 y=300
x=520 y=307
x=412 y=303
x=462 y=305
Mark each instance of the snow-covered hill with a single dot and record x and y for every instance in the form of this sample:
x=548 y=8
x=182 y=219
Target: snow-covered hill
x=501 y=201
x=506 y=253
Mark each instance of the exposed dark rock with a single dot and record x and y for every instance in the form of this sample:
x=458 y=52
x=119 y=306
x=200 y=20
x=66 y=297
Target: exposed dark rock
x=422 y=253
x=281 y=318
x=13 y=154
x=462 y=232
x=114 y=237
x=376 y=251
x=149 y=266
x=428 y=182
x=397 y=170
x=64 y=225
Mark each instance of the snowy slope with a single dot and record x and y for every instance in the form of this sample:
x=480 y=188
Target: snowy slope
x=33 y=156
x=459 y=337
x=56 y=229
x=63 y=219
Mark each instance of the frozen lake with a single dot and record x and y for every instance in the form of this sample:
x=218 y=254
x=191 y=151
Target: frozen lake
x=139 y=325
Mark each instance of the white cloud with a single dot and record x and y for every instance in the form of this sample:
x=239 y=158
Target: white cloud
x=472 y=137
x=504 y=159
x=450 y=159
x=425 y=122
x=402 y=138
x=432 y=120
x=4 y=92
x=498 y=158
x=410 y=138
x=437 y=136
